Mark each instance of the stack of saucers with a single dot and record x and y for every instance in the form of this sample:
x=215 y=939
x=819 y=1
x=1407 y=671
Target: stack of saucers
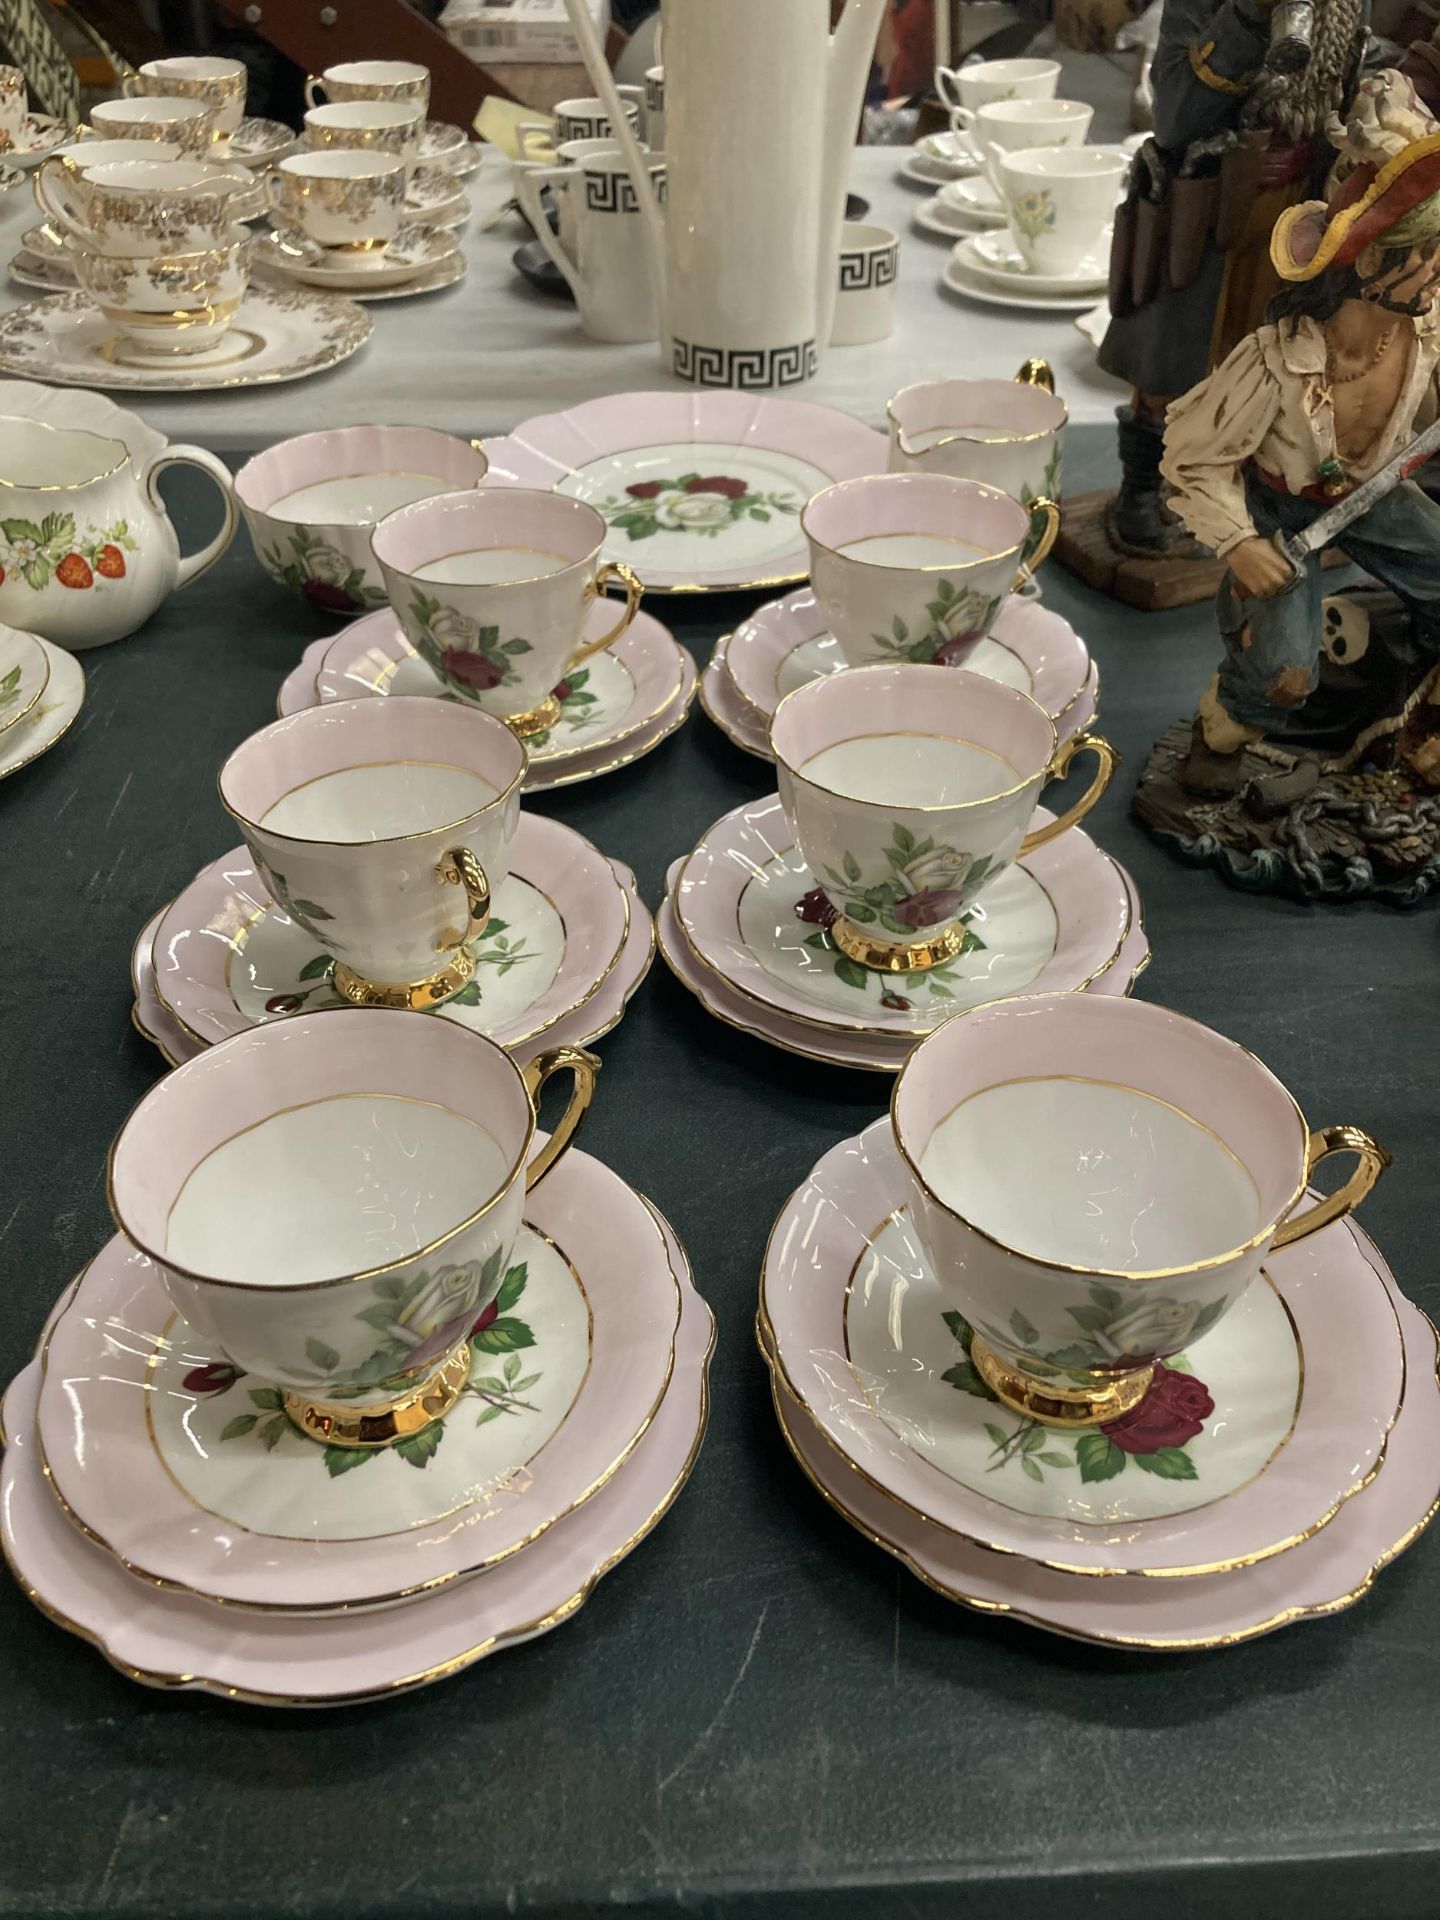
x=273 y=1449
x=42 y=689
x=755 y=920
x=939 y=157
x=1282 y=1445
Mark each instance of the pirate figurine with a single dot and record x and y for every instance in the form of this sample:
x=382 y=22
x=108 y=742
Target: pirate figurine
x=1306 y=409
x=1242 y=99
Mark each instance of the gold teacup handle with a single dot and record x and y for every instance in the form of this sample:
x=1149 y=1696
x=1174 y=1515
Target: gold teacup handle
x=584 y=1065
x=1322 y=1143
x=1059 y=766
x=460 y=868
x=634 y=592
x=1036 y=373
x=1046 y=511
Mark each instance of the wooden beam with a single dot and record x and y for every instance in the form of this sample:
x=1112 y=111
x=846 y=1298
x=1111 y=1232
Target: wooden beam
x=371 y=30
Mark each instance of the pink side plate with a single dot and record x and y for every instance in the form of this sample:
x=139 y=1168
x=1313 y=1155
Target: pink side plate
x=297 y=689
x=600 y=1013
x=544 y=451
x=195 y=947
x=1322 y=1575
x=96 y=1372
x=870 y=1052
x=742 y=848
x=1353 y=1373
x=1048 y=647
x=174 y=1640
x=360 y=663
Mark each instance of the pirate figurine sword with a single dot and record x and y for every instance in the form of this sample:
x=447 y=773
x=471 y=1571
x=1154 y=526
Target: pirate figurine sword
x=1297 y=547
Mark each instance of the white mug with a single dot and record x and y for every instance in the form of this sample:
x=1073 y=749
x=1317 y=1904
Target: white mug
x=1059 y=202
x=220 y=83
x=580 y=119
x=602 y=248
x=869 y=268
x=383 y=828
x=371 y=80
x=655 y=107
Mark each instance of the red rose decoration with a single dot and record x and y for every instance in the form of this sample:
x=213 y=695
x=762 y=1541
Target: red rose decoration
x=329 y=599
x=491 y=1312
x=895 y=1001
x=285 y=1003
x=217 y=1376
x=954 y=653
x=473 y=669
x=930 y=905
x=718 y=483
x=644 y=490
x=1172 y=1414
x=815 y=909
x=563 y=691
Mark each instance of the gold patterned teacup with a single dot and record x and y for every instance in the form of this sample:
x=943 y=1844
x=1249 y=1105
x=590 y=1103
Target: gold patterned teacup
x=371 y=80
x=341 y=199
x=219 y=83
x=188 y=125
x=13 y=107
x=167 y=304
x=377 y=126
x=134 y=208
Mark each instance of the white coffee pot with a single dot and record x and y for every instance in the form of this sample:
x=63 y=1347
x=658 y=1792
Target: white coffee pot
x=87 y=550
x=762 y=106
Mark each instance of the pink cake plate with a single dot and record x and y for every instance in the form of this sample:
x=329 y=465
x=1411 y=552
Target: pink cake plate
x=201 y=1483
x=874 y=1053
x=588 y=1021
x=1291 y=1405
x=703 y=490
x=175 y=1640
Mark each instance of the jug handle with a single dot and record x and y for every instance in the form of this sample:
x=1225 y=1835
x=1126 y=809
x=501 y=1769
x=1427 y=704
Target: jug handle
x=527 y=191
x=194 y=564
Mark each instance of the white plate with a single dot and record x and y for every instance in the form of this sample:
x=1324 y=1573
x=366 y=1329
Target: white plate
x=39 y=274
x=49 y=718
x=1095 y=324
x=413 y=254
x=279 y=333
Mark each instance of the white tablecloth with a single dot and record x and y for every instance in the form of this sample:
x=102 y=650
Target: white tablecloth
x=489 y=352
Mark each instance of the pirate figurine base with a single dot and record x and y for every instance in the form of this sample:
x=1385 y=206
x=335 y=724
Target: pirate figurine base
x=1309 y=765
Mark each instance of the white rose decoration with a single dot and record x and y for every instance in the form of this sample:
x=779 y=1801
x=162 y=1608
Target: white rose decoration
x=1157 y=1326
x=451 y=629
x=694 y=512
x=327 y=565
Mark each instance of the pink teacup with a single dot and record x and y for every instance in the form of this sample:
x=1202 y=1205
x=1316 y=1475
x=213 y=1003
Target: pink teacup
x=1096 y=1182
x=492 y=589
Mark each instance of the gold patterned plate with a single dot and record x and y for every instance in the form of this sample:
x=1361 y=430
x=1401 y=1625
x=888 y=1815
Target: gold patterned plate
x=176 y=1640
x=279 y=333
x=1245 y=1447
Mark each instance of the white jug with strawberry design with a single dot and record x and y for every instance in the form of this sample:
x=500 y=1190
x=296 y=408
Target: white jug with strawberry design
x=87 y=551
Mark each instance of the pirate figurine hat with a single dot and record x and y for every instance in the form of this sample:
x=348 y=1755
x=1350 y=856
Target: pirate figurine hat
x=1385 y=189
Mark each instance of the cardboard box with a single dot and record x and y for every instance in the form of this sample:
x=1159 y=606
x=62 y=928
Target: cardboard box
x=497 y=33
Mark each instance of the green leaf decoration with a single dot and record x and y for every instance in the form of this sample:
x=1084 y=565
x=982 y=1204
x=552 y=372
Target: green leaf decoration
x=1098 y=1457
x=269 y=1398
x=851 y=974
x=511 y=1287
x=1024 y=1330
x=320 y=1355
x=1106 y=1297
x=37 y=573
x=317 y=969
x=516 y=647
x=269 y=1434
x=1170 y=1463
x=380 y=1315
x=418 y=1449
x=1032 y=1471
x=904 y=839
x=1208 y=1315
x=1089 y=1318
x=998 y=1437
x=488 y=1413
x=512 y=1367
x=966 y=1376
x=310 y=911
x=759 y=513
x=526 y=1381
x=857 y=910
x=820 y=941
x=504 y=1336
x=21 y=530
x=241 y=1424
x=852 y=869
x=1053 y=1459
x=959 y=1327
x=390 y=1286
x=490 y=1272
x=340 y=1460
x=1034 y=1440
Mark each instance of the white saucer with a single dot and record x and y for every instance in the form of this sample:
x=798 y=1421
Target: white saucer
x=920 y=170
x=407 y=265
x=996 y=257
x=40 y=134
x=40 y=274
x=433 y=199
x=258 y=143
x=51 y=716
x=956 y=151
x=946 y=222
x=976 y=198
x=962 y=276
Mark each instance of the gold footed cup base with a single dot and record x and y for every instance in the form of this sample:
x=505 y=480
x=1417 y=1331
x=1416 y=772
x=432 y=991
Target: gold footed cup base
x=399 y=996
x=538 y=720
x=915 y=957
x=1053 y=1405
x=382 y=1423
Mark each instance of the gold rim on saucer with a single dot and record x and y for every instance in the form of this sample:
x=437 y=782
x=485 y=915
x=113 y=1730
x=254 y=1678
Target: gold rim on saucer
x=334 y=1424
